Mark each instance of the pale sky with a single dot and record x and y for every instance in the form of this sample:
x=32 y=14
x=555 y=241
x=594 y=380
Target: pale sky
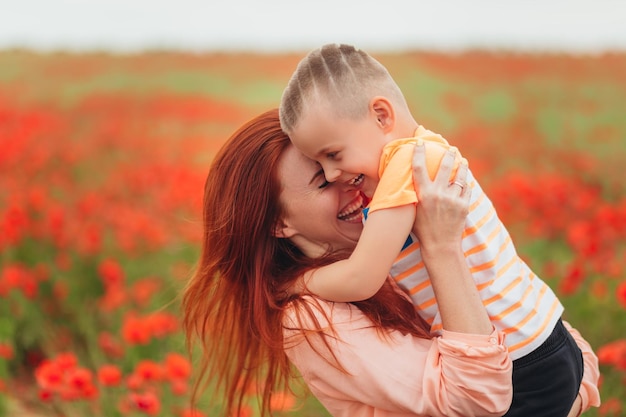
x=275 y=25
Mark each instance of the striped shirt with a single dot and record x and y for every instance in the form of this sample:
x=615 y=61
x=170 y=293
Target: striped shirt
x=517 y=301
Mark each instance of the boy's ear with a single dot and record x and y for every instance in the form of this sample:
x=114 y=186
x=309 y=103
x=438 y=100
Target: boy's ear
x=385 y=116
x=282 y=230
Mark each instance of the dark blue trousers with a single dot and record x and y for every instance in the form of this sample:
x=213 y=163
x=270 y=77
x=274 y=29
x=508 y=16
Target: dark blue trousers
x=546 y=381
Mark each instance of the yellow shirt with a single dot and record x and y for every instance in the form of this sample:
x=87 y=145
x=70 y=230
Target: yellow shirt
x=395 y=187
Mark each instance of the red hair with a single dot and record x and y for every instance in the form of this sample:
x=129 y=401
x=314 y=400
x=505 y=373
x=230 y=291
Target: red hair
x=235 y=301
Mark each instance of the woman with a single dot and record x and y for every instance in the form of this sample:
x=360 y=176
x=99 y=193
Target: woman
x=269 y=216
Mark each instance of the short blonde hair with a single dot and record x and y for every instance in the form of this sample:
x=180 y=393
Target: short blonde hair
x=343 y=76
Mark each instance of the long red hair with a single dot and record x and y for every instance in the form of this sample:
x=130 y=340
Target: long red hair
x=235 y=301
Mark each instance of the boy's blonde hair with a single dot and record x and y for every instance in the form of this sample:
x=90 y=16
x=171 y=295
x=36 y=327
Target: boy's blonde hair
x=340 y=76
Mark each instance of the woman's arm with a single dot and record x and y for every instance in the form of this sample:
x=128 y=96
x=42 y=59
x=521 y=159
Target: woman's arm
x=457 y=374
x=589 y=394
x=439 y=223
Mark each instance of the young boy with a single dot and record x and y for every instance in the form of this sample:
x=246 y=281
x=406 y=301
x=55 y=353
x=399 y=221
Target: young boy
x=343 y=109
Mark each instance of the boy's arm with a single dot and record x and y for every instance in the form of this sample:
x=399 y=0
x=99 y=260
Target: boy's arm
x=389 y=222
x=363 y=274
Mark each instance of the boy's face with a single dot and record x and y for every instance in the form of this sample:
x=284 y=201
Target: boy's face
x=348 y=149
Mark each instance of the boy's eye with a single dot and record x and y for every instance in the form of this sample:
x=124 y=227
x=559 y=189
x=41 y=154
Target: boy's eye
x=331 y=155
x=324 y=184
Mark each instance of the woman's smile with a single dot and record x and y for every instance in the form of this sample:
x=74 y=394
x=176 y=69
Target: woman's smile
x=352 y=211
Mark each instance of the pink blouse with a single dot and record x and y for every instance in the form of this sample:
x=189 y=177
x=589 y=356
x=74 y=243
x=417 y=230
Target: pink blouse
x=589 y=392
x=392 y=374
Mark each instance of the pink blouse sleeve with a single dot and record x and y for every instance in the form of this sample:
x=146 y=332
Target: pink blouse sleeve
x=393 y=374
x=589 y=392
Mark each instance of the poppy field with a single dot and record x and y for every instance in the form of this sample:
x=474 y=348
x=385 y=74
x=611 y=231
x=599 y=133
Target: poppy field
x=103 y=159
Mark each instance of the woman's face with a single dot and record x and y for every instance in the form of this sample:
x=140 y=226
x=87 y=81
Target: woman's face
x=318 y=216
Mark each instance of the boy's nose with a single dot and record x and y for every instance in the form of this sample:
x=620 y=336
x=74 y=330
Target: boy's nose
x=332 y=174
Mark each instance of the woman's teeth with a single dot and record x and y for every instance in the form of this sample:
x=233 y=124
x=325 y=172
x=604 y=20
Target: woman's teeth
x=352 y=211
x=356 y=180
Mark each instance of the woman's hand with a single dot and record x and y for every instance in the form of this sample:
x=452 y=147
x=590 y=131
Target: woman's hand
x=439 y=221
x=442 y=205
x=575 y=411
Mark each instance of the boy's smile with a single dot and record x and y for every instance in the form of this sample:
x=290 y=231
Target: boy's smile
x=356 y=181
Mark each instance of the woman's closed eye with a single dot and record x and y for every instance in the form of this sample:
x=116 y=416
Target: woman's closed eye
x=319 y=176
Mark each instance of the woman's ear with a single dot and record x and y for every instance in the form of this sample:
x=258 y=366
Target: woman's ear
x=382 y=108
x=282 y=230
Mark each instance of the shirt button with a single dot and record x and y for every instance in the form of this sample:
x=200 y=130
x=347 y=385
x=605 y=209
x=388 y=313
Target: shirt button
x=493 y=340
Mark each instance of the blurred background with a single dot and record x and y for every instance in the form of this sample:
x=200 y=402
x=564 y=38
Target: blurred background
x=110 y=114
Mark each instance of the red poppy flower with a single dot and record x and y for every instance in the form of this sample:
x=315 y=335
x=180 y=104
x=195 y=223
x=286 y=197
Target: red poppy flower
x=6 y=351
x=146 y=402
x=177 y=366
x=109 y=375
